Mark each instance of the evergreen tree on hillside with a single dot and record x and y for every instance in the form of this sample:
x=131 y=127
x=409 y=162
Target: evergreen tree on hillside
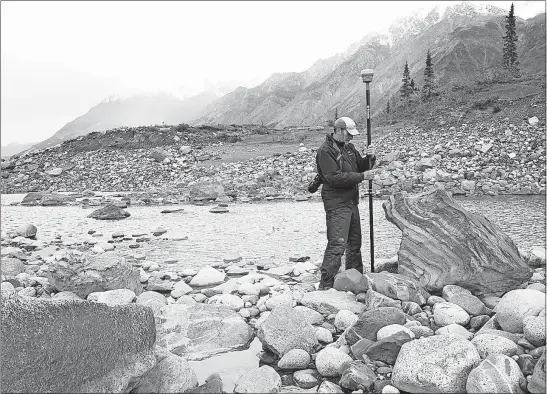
x=510 y=58
x=387 y=107
x=412 y=84
x=429 y=78
x=406 y=89
x=335 y=113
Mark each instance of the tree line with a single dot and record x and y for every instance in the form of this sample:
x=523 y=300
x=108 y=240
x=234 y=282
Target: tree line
x=409 y=90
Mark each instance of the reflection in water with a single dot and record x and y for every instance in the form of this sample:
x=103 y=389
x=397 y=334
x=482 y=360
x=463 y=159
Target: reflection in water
x=230 y=366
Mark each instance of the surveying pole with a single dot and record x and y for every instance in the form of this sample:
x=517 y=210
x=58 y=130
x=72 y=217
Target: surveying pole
x=367 y=75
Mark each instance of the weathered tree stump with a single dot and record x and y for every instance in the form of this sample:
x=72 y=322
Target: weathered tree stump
x=445 y=244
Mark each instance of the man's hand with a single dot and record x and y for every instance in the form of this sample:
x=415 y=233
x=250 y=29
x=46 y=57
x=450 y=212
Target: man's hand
x=370 y=150
x=369 y=175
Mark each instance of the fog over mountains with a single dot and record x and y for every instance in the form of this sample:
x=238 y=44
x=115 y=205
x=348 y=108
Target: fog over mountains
x=464 y=40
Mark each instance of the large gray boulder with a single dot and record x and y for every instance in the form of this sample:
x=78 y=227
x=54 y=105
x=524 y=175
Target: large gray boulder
x=109 y=212
x=358 y=376
x=11 y=266
x=445 y=244
x=537 y=380
x=27 y=230
x=153 y=300
x=205 y=190
x=32 y=198
x=351 y=280
x=387 y=349
x=534 y=329
x=516 y=305
x=171 y=374
x=113 y=297
x=497 y=373
x=488 y=344
x=331 y=301
x=85 y=274
x=398 y=287
x=330 y=360
x=285 y=329
x=436 y=364
x=311 y=316
x=46 y=199
x=467 y=301
x=197 y=331
x=259 y=380
x=370 y=322
x=74 y=346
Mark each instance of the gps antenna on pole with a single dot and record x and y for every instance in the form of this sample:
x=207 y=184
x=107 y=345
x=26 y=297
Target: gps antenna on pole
x=367 y=75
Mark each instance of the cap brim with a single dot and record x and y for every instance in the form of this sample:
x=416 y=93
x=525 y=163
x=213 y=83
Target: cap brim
x=353 y=131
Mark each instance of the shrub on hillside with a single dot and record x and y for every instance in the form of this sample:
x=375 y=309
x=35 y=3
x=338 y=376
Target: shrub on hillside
x=181 y=127
x=232 y=138
x=484 y=103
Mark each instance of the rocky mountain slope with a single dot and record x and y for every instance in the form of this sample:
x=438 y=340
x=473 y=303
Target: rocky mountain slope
x=464 y=43
x=132 y=111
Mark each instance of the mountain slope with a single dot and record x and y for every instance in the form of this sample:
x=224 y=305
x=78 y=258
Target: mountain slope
x=464 y=43
x=14 y=148
x=132 y=111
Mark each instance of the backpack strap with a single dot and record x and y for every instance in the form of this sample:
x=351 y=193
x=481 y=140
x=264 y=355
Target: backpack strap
x=340 y=156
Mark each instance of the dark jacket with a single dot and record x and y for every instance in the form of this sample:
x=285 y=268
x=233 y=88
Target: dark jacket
x=341 y=170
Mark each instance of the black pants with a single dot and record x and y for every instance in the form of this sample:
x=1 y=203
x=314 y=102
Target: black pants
x=343 y=234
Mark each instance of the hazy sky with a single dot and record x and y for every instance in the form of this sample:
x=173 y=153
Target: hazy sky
x=61 y=58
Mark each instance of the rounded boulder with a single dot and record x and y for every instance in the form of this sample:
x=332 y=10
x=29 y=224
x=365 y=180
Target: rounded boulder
x=534 y=329
x=259 y=380
x=294 y=359
x=497 y=373
x=330 y=360
x=516 y=305
x=446 y=313
x=487 y=344
x=27 y=231
x=436 y=364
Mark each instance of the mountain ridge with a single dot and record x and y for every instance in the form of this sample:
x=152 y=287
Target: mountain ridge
x=144 y=109
x=464 y=43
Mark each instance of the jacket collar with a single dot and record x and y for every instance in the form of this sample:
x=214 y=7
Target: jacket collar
x=332 y=141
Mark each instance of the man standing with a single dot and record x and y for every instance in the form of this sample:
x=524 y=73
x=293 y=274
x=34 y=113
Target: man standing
x=342 y=168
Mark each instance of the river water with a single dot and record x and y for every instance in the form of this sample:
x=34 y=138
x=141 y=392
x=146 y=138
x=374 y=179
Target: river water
x=271 y=231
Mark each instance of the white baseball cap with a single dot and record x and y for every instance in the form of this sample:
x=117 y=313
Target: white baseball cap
x=346 y=123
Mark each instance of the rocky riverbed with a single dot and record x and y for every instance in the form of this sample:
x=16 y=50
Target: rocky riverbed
x=500 y=157
x=377 y=332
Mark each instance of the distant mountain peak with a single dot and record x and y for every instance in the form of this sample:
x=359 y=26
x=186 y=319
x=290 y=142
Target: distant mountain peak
x=114 y=97
x=413 y=24
x=472 y=9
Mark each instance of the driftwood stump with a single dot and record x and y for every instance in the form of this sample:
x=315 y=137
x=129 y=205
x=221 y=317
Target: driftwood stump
x=445 y=244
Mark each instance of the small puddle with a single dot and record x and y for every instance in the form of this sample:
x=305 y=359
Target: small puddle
x=230 y=366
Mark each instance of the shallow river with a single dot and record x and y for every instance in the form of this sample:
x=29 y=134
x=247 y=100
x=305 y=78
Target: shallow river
x=271 y=231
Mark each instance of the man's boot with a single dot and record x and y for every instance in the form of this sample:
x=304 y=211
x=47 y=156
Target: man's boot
x=327 y=281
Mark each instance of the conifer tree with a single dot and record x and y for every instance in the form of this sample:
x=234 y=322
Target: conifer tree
x=335 y=113
x=412 y=84
x=387 y=107
x=510 y=60
x=406 y=88
x=429 y=78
